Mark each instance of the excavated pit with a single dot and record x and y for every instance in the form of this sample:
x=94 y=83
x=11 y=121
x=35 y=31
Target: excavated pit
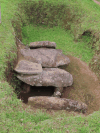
x=86 y=87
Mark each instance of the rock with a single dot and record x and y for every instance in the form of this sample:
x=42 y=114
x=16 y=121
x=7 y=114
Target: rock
x=58 y=91
x=27 y=67
x=31 y=59
x=46 y=44
x=45 y=56
x=57 y=94
x=49 y=77
x=57 y=103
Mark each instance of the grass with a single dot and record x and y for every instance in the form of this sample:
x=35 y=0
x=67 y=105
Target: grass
x=12 y=116
x=63 y=39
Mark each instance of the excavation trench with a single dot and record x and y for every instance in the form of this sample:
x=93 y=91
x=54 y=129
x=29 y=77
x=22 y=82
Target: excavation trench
x=86 y=86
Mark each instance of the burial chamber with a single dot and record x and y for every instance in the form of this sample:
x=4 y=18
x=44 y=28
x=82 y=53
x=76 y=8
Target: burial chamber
x=38 y=67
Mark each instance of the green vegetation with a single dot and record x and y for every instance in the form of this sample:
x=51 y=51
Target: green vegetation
x=63 y=39
x=78 y=36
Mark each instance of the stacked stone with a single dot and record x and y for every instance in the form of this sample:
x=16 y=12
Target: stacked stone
x=40 y=66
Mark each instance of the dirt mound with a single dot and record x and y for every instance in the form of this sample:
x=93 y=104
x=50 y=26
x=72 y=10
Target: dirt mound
x=86 y=86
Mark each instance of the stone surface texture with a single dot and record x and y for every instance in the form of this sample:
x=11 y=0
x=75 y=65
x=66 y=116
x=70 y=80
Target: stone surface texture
x=45 y=56
x=46 y=44
x=57 y=103
x=27 y=67
x=49 y=77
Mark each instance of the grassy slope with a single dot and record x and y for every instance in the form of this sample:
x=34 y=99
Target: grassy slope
x=12 y=117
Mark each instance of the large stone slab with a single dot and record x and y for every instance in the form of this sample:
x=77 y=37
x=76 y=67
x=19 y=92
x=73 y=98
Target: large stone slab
x=49 y=77
x=46 y=57
x=27 y=67
x=57 y=103
x=46 y=44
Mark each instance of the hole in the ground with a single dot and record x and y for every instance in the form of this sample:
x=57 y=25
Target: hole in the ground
x=36 y=91
x=87 y=33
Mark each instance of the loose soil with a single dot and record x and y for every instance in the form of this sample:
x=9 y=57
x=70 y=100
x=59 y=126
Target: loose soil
x=86 y=87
